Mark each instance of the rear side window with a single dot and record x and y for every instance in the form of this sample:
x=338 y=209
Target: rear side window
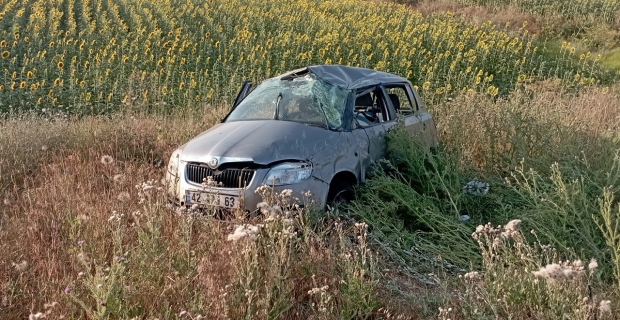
x=400 y=99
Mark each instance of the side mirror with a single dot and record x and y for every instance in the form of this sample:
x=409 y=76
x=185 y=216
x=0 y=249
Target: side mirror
x=245 y=89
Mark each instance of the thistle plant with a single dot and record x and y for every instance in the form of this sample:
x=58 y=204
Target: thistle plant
x=525 y=279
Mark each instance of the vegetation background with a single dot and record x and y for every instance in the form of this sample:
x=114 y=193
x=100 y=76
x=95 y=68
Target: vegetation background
x=95 y=95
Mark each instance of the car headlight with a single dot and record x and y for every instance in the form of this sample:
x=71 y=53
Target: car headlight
x=173 y=164
x=288 y=173
x=172 y=174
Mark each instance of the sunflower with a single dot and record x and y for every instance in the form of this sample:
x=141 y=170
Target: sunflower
x=22 y=85
x=5 y=54
x=60 y=64
x=29 y=74
x=1 y=87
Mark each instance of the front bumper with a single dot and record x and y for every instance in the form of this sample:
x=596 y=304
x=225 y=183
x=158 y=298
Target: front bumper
x=311 y=192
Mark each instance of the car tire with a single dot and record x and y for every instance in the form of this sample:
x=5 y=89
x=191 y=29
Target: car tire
x=340 y=192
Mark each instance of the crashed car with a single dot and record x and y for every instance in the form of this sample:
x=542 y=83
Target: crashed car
x=316 y=130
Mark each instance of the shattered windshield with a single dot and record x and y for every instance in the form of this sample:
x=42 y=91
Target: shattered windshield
x=305 y=99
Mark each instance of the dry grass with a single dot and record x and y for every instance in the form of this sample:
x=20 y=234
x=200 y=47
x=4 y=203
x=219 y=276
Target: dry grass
x=78 y=224
x=510 y=17
x=74 y=233
x=542 y=123
x=56 y=192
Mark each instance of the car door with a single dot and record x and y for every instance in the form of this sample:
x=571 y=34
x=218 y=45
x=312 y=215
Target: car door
x=371 y=114
x=368 y=127
x=407 y=105
x=429 y=129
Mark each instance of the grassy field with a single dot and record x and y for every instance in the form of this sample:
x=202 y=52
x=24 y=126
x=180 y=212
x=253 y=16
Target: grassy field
x=96 y=94
x=591 y=27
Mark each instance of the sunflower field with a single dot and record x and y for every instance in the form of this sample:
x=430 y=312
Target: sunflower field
x=94 y=57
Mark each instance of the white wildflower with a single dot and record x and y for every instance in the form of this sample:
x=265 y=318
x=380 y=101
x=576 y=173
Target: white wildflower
x=513 y=225
x=36 y=316
x=472 y=276
x=107 y=160
x=21 y=267
x=592 y=265
x=511 y=228
x=43 y=148
x=551 y=271
x=119 y=178
x=605 y=306
x=242 y=231
x=123 y=196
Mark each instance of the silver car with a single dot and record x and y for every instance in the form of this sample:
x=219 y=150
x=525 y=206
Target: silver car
x=315 y=130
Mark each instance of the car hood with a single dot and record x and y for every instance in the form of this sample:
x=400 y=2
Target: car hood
x=260 y=141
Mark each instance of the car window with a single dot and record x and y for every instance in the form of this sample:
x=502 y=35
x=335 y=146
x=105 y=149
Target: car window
x=400 y=99
x=304 y=99
x=370 y=108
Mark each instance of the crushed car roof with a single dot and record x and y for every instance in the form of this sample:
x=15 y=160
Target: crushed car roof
x=351 y=77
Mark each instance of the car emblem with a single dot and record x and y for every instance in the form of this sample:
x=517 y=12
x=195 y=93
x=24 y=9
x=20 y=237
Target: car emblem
x=212 y=163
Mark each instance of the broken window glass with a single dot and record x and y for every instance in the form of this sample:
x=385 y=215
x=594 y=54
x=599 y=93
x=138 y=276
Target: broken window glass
x=304 y=98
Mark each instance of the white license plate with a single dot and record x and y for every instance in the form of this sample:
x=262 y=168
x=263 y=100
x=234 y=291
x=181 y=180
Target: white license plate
x=211 y=199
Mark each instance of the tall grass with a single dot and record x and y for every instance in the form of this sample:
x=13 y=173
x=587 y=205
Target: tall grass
x=553 y=167
x=88 y=236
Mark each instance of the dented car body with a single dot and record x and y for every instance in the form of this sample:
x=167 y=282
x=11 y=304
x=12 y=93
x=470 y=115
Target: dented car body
x=315 y=130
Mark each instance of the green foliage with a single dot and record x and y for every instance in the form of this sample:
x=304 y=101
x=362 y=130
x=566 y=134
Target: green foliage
x=564 y=208
x=609 y=224
x=414 y=207
x=611 y=59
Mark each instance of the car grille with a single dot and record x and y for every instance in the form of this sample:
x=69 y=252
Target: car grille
x=225 y=178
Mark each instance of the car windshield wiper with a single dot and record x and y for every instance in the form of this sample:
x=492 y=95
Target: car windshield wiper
x=277 y=115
